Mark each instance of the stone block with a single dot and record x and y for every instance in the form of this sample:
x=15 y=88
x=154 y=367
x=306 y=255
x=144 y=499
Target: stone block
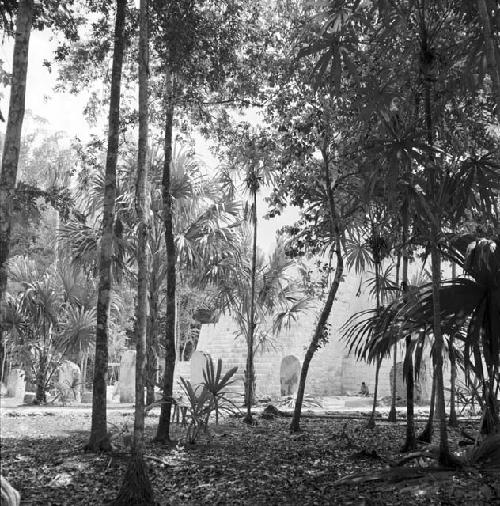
x=127 y=376
x=198 y=362
x=69 y=379
x=16 y=384
x=29 y=397
x=87 y=397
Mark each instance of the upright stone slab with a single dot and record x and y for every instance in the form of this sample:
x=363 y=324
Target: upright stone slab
x=127 y=376
x=198 y=361
x=289 y=374
x=70 y=379
x=422 y=392
x=16 y=384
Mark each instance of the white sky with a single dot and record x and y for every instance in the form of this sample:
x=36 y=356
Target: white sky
x=64 y=112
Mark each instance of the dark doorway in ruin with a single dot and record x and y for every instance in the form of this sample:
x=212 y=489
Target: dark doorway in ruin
x=289 y=374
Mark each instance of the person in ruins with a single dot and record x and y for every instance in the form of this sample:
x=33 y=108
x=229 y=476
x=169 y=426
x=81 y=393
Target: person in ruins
x=364 y=389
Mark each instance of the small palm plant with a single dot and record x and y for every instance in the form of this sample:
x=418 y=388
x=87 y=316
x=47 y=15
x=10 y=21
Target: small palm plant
x=215 y=384
x=212 y=397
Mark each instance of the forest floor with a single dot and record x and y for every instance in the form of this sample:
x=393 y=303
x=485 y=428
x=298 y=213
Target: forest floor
x=42 y=456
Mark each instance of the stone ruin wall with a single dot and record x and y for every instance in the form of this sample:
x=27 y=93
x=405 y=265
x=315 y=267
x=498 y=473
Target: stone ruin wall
x=332 y=370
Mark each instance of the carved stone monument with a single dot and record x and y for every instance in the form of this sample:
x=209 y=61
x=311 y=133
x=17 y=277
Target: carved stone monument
x=16 y=384
x=127 y=376
x=198 y=362
x=69 y=380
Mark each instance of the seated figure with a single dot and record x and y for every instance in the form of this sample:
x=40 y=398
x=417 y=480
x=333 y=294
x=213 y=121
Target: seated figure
x=364 y=389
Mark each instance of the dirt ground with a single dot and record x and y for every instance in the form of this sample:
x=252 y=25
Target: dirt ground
x=42 y=456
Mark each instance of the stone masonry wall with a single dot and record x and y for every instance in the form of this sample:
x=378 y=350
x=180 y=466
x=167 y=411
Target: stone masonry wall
x=332 y=370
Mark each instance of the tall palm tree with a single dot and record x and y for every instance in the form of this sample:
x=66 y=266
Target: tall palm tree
x=278 y=297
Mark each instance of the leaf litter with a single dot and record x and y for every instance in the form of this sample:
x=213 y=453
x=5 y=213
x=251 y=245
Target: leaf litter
x=330 y=462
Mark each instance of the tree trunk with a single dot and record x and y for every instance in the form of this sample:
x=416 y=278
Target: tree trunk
x=435 y=229
x=393 y=413
x=453 y=421
x=83 y=371
x=490 y=50
x=163 y=431
x=12 y=141
x=99 y=440
x=426 y=436
x=250 y=374
x=371 y=421
x=136 y=488
x=444 y=450
x=410 y=442
x=151 y=356
x=3 y=358
x=319 y=332
x=41 y=379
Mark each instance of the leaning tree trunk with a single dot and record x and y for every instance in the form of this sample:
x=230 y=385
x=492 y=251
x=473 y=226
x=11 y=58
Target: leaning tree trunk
x=491 y=47
x=99 y=440
x=250 y=374
x=163 y=431
x=319 y=333
x=426 y=435
x=410 y=442
x=136 y=488
x=12 y=141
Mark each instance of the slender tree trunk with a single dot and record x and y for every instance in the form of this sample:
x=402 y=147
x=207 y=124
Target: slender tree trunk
x=83 y=370
x=99 y=440
x=12 y=142
x=444 y=450
x=152 y=339
x=393 y=413
x=41 y=379
x=371 y=421
x=250 y=374
x=319 y=332
x=163 y=431
x=136 y=488
x=410 y=442
x=426 y=436
x=435 y=229
x=491 y=49
x=3 y=359
x=453 y=421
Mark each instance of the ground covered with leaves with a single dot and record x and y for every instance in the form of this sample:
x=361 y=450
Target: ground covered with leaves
x=42 y=456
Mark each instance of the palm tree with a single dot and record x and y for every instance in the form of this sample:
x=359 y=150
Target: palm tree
x=78 y=336
x=472 y=302
x=278 y=298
